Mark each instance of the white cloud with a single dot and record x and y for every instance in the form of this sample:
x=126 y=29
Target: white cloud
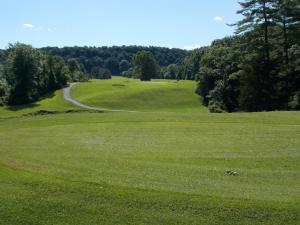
x=218 y=19
x=28 y=25
x=49 y=29
x=191 y=47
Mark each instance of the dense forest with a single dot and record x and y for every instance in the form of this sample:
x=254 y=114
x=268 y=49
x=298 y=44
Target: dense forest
x=26 y=74
x=257 y=69
x=105 y=61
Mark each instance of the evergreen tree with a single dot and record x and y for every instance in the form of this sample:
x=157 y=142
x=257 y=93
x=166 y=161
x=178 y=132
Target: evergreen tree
x=257 y=13
x=258 y=19
x=287 y=17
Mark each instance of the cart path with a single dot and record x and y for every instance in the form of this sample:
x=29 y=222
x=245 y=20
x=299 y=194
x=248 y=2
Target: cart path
x=67 y=96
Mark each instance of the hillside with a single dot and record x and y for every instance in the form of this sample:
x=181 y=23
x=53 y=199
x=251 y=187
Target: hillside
x=163 y=165
x=131 y=94
x=110 y=57
x=51 y=102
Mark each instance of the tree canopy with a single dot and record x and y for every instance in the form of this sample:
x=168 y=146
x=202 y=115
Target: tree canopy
x=257 y=69
x=27 y=74
x=116 y=59
x=145 y=66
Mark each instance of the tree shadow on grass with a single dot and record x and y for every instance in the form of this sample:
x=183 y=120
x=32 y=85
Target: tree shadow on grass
x=16 y=108
x=46 y=96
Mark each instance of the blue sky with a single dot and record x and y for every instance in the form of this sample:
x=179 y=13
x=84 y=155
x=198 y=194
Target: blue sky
x=169 y=23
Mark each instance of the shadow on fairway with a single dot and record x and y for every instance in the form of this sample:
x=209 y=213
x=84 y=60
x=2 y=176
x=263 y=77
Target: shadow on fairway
x=21 y=107
x=15 y=108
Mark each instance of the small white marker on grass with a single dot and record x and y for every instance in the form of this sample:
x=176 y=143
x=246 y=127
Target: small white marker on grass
x=232 y=173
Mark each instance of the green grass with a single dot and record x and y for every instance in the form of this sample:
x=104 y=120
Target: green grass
x=53 y=101
x=149 y=167
x=130 y=94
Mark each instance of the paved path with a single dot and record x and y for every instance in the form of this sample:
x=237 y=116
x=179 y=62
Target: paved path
x=67 y=96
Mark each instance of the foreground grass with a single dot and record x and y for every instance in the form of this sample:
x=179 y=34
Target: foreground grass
x=131 y=94
x=31 y=198
x=139 y=168
x=148 y=168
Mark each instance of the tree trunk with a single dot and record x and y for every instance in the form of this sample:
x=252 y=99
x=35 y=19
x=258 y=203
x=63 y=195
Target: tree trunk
x=266 y=32
x=286 y=47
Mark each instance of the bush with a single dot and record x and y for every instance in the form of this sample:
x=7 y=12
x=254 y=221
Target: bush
x=294 y=103
x=215 y=107
x=4 y=91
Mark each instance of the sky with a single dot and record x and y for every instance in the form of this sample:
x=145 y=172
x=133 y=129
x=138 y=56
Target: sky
x=185 y=24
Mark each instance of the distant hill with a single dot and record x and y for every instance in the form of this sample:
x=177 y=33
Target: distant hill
x=110 y=57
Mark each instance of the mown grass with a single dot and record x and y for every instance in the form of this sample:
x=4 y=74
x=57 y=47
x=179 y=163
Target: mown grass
x=32 y=198
x=131 y=94
x=150 y=167
x=53 y=101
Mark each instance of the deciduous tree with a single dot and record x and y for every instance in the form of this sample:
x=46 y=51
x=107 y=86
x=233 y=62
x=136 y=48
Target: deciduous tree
x=145 y=66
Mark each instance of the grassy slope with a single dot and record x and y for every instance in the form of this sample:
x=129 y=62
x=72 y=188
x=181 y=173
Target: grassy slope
x=130 y=94
x=51 y=102
x=149 y=168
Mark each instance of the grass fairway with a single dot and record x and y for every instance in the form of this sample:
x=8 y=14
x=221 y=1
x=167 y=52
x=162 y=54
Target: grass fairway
x=147 y=167
x=130 y=94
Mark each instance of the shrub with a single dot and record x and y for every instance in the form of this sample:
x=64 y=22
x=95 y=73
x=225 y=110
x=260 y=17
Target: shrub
x=294 y=103
x=215 y=107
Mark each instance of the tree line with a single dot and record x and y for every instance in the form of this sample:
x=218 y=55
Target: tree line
x=146 y=67
x=26 y=74
x=102 y=62
x=258 y=69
